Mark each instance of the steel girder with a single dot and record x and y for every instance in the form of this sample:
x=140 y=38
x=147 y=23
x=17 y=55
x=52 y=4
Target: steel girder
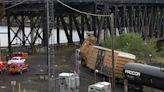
x=24 y=31
x=147 y=20
x=72 y=23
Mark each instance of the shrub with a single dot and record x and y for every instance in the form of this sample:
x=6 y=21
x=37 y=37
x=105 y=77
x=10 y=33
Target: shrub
x=133 y=43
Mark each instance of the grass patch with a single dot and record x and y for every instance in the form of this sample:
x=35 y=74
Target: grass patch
x=68 y=49
x=27 y=90
x=149 y=89
x=160 y=59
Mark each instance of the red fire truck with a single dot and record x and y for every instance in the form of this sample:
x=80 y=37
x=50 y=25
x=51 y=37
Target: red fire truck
x=17 y=65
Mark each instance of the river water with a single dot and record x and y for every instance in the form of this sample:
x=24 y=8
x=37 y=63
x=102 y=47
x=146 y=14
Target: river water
x=53 y=39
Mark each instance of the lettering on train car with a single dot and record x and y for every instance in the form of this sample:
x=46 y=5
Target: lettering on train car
x=133 y=72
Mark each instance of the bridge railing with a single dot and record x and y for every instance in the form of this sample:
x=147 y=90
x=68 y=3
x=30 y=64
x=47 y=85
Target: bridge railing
x=25 y=1
x=42 y=1
x=134 y=1
x=110 y=1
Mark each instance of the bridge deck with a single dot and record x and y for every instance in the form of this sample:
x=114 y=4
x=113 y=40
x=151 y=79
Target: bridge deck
x=80 y=1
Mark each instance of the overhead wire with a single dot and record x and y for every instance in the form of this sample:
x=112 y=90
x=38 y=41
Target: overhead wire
x=82 y=12
x=15 y=5
x=74 y=9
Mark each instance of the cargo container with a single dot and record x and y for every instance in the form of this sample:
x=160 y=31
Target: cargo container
x=100 y=58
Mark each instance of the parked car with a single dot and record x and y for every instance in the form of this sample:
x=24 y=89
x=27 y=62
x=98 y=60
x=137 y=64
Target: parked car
x=2 y=66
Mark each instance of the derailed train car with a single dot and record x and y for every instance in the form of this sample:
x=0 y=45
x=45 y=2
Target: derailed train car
x=99 y=58
x=144 y=75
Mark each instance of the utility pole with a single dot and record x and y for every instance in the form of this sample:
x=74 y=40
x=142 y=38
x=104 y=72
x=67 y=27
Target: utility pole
x=50 y=26
x=113 y=61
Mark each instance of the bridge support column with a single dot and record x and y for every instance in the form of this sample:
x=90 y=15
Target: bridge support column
x=58 y=29
x=45 y=32
x=70 y=28
x=19 y=32
x=9 y=33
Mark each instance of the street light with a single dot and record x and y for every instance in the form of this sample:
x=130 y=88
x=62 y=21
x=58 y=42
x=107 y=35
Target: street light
x=96 y=71
x=150 y=56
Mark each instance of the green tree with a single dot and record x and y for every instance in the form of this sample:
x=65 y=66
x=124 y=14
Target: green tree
x=150 y=47
x=132 y=43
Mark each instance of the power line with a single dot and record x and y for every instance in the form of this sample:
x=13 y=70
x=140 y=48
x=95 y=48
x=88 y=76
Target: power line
x=15 y=5
x=74 y=9
x=82 y=12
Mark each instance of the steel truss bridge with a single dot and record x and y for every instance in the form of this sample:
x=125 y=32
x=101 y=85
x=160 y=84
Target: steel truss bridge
x=143 y=16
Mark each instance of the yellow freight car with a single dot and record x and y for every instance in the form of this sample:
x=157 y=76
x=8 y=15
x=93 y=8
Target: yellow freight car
x=100 y=58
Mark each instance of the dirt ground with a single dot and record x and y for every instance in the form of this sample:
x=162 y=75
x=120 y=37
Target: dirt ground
x=64 y=61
